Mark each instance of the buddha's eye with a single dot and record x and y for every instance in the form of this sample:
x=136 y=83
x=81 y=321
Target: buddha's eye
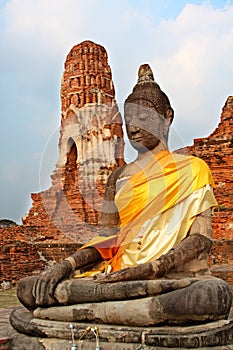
x=142 y=116
x=128 y=119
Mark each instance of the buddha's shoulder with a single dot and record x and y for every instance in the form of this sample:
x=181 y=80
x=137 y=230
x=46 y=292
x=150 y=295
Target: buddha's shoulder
x=125 y=171
x=195 y=161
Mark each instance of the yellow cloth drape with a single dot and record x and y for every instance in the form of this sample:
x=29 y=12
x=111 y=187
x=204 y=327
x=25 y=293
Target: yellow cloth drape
x=161 y=233
x=165 y=181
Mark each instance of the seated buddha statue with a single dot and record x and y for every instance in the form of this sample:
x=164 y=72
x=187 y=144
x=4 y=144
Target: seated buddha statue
x=155 y=224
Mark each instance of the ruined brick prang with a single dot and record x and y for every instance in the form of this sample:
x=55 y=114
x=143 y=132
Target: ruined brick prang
x=217 y=151
x=90 y=146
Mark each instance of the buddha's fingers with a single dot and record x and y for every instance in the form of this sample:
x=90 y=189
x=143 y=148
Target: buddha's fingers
x=140 y=272
x=40 y=292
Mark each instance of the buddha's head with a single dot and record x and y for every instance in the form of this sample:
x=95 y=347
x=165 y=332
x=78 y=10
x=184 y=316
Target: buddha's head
x=148 y=113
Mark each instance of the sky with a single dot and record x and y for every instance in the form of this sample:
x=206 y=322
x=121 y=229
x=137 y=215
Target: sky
x=188 y=44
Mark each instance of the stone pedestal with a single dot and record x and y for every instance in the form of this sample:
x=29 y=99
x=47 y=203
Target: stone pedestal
x=150 y=314
x=56 y=335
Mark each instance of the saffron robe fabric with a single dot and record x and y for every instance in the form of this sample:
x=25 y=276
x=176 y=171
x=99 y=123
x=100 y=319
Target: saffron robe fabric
x=157 y=207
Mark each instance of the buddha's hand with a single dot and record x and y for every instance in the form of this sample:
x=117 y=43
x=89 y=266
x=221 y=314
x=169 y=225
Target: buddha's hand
x=44 y=286
x=147 y=271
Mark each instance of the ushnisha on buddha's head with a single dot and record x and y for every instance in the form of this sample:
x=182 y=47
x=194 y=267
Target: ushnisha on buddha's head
x=148 y=113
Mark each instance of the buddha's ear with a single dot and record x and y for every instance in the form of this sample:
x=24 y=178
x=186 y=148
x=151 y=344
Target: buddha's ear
x=169 y=115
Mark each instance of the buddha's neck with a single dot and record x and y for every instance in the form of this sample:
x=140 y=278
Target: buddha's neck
x=143 y=156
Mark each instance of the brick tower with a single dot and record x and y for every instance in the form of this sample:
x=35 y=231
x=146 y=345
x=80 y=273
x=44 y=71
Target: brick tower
x=217 y=151
x=90 y=146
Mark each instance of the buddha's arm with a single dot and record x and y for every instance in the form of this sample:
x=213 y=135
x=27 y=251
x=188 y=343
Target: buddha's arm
x=195 y=244
x=39 y=290
x=109 y=222
x=198 y=241
x=109 y=225
x=202 y=224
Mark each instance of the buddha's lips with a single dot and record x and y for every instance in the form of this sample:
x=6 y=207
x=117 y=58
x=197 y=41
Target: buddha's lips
x=137 y=139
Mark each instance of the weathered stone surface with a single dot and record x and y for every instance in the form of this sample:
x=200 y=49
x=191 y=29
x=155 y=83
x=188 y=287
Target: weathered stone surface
x=22 y=342
x=214 y=335
x=75 y=291
x=55 y=344
x=202 y=301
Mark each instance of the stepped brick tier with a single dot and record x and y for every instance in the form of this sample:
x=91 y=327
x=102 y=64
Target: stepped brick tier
x=91 y=145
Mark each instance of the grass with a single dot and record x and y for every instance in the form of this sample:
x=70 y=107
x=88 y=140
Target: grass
x=8 y=298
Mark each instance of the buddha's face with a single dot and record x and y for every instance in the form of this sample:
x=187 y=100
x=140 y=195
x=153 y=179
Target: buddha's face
x=145 y=127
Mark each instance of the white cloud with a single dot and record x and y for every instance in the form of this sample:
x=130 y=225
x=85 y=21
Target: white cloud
x=194 y=56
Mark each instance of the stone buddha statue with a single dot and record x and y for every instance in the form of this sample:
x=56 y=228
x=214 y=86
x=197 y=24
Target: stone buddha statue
x=149 y=263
